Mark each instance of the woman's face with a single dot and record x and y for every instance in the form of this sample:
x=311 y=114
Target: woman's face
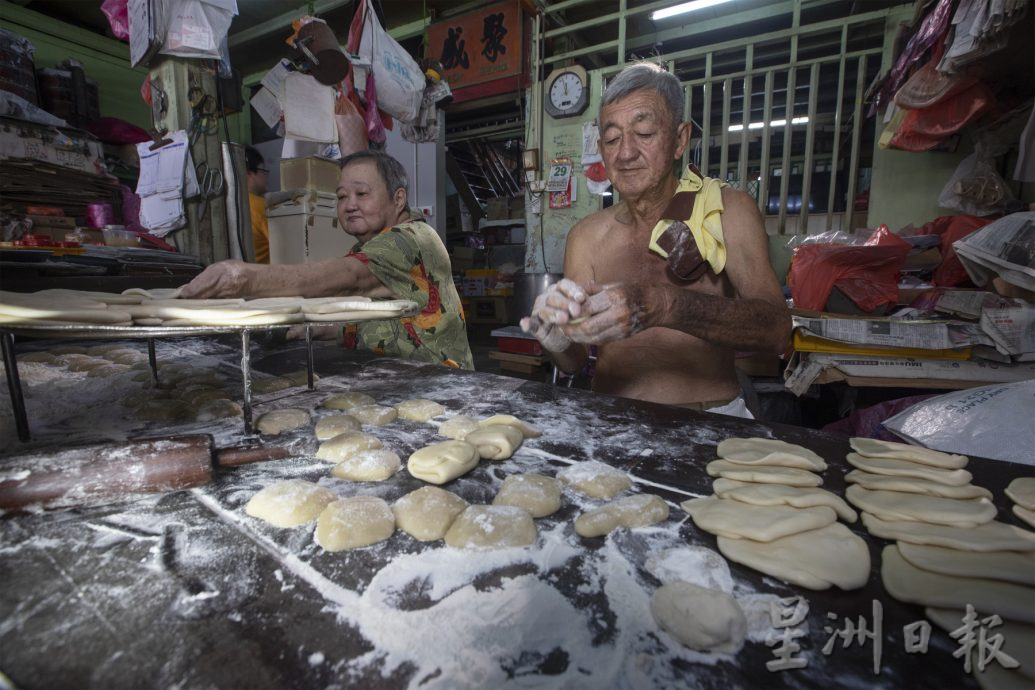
x=365 y=206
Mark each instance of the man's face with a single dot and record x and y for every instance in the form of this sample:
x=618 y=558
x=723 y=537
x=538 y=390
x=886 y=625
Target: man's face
x=258 y=181
x=639 y=139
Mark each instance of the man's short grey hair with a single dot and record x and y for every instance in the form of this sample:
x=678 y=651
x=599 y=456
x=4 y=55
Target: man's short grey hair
x=646 y=75
x=391 y=171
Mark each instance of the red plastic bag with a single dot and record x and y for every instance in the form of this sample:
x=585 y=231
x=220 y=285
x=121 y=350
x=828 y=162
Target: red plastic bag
x=352 y=129
x=375 y=129
x=923 y=129
x=950 y=272
x=867 y=274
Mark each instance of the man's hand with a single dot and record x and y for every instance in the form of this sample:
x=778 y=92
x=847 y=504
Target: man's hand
x=223 y=279
x=558 y=304
x=613 y=312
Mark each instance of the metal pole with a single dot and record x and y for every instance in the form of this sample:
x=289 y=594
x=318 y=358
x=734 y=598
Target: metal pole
x=14 y=385
x=246 y=379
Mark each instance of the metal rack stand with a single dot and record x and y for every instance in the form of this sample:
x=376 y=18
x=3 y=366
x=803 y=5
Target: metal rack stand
x=96 y=332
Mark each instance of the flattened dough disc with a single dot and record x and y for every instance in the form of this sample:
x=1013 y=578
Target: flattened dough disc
x=737 y=520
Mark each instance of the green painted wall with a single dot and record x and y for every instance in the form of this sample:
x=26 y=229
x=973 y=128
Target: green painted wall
x=548 y=232
x=905 y=186
x=104 y=60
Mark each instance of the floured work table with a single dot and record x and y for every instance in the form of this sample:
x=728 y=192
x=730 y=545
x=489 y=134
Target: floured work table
x=185 y=590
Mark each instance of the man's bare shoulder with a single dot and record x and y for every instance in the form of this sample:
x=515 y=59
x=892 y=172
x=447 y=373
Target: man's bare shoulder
x=740 y=213
x=594 y=226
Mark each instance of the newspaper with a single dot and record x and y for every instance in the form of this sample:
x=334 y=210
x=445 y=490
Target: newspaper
x=1011 y=326
x=926 y=335
x=1005 y=248
x=966 y=304
x=805 y=368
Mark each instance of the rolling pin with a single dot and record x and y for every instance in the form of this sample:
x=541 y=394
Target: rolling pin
x=94 y=475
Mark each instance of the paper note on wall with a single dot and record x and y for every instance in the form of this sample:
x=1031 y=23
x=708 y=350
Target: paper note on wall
x=308 y=109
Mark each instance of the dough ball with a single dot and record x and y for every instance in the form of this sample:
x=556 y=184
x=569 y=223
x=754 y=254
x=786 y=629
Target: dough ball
x=106 y=371
x=736 y=520
x=527 y=430
x=458 y=427
x=68 y=350
x=816 y=559
x=491 y=527
x=38 y=357
x=1022 y=492
x=346 y=401
x=66 y=360
x=702 y=619
x=197 y=397
x=763 y=474
x=219 y=408
x=874 y=448
x=162 y=410
x=496 y=442
x=631 y=511
x=125 y=355
x=695 y=564
x=368 y=466
x=768 y=451
x=595 y=479
x=299 y=378
x=426 y=514
x=419 y=410
x=102 y=350
x=87 y=363
x=443 y=462
x=279 y=421
x=343 y=446
x=269 y=385
x=352 y=522
x=539 y=495
x=289 y=503
x=330 y=426
x=374 y=415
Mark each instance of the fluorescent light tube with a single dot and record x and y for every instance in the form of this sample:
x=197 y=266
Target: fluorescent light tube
x=685 y=7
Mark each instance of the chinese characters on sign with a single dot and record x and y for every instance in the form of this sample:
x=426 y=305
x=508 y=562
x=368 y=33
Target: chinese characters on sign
x=973 y=636
x=480 y=46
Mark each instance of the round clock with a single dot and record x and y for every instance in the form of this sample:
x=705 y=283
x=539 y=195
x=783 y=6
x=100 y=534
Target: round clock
x=567 y=92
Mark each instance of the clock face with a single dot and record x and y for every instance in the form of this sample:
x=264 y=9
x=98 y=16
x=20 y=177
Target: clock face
x=568 y=94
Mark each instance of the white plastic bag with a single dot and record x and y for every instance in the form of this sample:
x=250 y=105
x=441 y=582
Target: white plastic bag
x=196 y=28
x=400 y=81
x=990 y=421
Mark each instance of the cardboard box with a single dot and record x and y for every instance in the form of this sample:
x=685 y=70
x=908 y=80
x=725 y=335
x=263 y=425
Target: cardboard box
x=310 y=172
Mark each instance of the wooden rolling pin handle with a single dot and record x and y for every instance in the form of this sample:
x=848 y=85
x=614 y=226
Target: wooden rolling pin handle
x=245 y=455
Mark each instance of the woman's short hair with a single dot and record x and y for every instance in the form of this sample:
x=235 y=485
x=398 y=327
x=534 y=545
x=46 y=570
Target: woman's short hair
x=391 y=171
x=646 y=75
x=252 y=159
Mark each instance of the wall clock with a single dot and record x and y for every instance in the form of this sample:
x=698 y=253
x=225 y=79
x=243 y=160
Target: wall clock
x=567 y=92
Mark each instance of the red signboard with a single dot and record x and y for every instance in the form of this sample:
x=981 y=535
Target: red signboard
x=482 y=46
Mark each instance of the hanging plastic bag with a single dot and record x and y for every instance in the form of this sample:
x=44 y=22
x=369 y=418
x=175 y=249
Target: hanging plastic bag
x=117 y=13
x=375 y=130
x=400 y=81
x=352 y=128
x=197 y=27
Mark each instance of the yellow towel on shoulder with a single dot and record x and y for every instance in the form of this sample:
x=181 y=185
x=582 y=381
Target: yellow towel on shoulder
x=705 y=221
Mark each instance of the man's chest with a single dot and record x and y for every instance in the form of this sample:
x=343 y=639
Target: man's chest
x=628 y=260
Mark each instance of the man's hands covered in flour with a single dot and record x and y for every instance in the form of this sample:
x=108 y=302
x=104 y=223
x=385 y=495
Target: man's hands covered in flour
x=567 y=313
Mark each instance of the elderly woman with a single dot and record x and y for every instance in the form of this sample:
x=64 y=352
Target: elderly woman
x=399 y=256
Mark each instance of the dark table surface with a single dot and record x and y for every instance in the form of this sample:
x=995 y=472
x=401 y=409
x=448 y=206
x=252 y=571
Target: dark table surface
x=184 y=590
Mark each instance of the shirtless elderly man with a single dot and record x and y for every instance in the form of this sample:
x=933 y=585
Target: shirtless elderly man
x=665 y=332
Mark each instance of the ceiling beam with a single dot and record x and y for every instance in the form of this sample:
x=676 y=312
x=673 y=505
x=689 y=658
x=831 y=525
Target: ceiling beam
x=281 y=22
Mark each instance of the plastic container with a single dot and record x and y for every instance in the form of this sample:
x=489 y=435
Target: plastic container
x=119 y=236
